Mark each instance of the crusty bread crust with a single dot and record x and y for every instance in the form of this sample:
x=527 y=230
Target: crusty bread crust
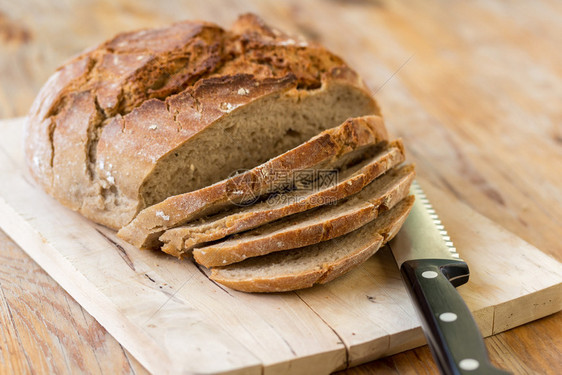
x=359 y=246
x=107 y=120
x=313 y=226
x=178 y=241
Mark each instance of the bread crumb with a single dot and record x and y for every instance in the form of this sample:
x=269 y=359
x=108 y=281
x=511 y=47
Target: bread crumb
x=110 y=179
x=228 y=107
x=192 y=167
x=243 y=91
x=153 y=127
x=292 y=42
x=223 y=261
x=287 y=42
x=203 y=252
x=161 y=214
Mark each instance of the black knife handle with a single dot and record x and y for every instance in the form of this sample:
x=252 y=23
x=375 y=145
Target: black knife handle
x=450 y=329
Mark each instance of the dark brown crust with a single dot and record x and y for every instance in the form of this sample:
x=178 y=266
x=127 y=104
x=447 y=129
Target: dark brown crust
x=177 y=241
x=285 y=283
x=94 y=112
x=151 y=222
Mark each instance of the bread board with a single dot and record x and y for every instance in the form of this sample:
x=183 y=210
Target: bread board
x=173 y=319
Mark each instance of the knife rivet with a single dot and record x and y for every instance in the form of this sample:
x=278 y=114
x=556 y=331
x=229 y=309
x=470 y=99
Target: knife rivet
x=469 y=364
x=448 y=317
x=429 y=274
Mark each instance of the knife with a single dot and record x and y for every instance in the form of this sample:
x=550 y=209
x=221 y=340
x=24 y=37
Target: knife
x=431 y=269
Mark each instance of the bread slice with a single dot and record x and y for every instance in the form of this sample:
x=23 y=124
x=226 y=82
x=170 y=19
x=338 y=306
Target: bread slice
x=313 y=226
x=178 y=241
x=321 y=150
x=315 y=264
x=155 y=113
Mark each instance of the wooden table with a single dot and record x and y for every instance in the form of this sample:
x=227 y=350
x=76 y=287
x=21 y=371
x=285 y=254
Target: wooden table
x=473 y=88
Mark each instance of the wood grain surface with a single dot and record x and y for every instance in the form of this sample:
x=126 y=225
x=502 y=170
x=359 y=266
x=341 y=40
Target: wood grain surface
x=473 y=88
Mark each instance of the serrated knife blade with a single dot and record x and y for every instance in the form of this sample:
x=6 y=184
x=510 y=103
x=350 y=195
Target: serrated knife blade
x=431 y=269
x=423 y=235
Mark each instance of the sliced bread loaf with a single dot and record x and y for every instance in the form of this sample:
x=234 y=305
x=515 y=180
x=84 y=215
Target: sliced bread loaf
x=154 y=113
x=178 y=241
x=315 y=264
x=313 y=226
x=321 y=150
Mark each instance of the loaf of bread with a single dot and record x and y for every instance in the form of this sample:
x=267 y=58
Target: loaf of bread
x=195 y=139
x=155 y=113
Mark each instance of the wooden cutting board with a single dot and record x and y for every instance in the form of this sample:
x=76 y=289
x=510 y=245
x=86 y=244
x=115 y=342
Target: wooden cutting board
x=173 y=319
